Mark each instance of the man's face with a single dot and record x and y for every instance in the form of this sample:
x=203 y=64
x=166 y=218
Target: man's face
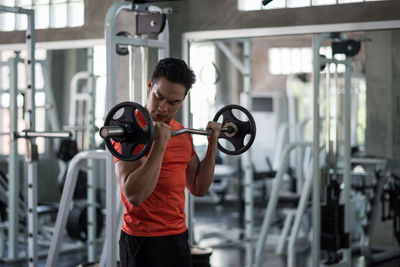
x=164 y=99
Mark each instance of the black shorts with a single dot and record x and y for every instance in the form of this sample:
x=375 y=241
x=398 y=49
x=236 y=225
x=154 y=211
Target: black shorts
x=160 y=251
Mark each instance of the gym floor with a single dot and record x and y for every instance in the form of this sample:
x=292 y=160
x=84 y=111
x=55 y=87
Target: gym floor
x=212 y=221
x=225 y=217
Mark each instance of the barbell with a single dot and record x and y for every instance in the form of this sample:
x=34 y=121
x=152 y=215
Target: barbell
x=122 y=126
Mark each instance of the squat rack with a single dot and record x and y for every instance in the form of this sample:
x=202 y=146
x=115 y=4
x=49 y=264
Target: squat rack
x=29 y=134
x=30 y=124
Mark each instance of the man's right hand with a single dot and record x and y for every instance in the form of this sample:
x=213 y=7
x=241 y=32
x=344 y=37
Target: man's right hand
x=162 y=133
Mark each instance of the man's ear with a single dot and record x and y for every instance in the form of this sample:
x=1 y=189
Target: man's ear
x=149 y=85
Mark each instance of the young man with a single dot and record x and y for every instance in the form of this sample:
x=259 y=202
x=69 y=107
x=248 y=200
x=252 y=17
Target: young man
x=152 y=188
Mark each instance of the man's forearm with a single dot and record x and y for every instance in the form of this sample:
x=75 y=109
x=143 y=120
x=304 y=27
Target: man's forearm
x=205 y=173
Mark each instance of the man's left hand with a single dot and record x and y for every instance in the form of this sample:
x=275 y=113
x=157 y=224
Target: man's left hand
x=216 y=128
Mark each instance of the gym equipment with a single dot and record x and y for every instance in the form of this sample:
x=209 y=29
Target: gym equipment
x=81 y=187
x=88 y=264
x=67 y=150
x=332 y=222
x=122 y=126
x=348 y=47
x=272 y=206
x=3 y=197
x=77 y=221
x=161 y=45
x=150 y=23
x=31 y=167
x=266 y=2
x=390 y=204
x=243 y=62
x=125 y=130
x=333 y=235
x=200 y=256
x=66 y=199
x=33 y=134
x=122 y=50
x=379 y=186
x=81 y=121
x=149 y=1
x=147 y=22
x=240 y=129
x=31 y=155
x=4 y=181
x=14 y=230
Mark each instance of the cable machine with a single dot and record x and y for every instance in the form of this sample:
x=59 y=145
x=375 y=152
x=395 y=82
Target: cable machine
x=117 y=43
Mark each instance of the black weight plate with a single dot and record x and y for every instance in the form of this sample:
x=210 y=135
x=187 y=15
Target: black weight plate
x=67 y=150
x=134 y=133
x=77 y=222
x=81 y=184
x=244 y=128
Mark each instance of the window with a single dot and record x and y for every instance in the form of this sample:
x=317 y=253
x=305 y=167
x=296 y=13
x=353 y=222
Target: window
x=286 y=60
x=291 y=60
x=48 y=14
x=202 y=95
x=247 y=5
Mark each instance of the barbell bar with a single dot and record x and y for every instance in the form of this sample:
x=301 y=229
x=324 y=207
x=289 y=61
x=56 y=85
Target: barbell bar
x=34 y=134
x=117 y=131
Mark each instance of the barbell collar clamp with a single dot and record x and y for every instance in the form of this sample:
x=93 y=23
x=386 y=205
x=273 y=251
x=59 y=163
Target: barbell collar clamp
x=111 y=131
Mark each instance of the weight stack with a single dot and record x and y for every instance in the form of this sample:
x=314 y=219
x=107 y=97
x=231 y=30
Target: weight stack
x=333 y=236
x=88 y=264
x=201 y=256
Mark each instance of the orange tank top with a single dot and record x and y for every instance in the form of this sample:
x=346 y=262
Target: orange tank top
x=162 y=213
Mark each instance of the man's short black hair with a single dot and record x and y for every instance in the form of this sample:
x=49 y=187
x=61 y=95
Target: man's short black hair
x=174 y=70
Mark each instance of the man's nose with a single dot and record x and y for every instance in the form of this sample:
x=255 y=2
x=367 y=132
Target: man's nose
x=162 y=105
